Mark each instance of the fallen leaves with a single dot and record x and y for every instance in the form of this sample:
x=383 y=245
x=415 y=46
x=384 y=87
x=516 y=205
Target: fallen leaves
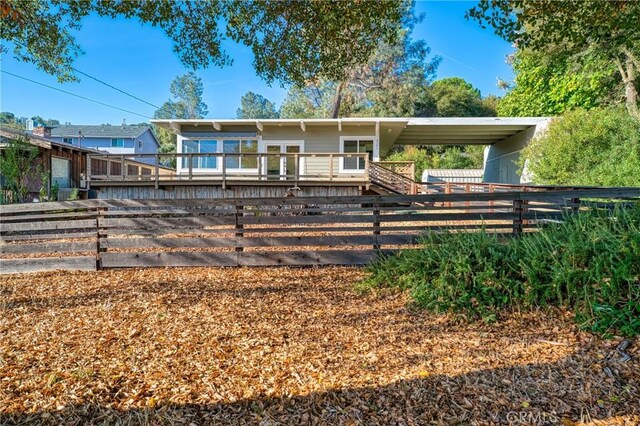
x=285 y=345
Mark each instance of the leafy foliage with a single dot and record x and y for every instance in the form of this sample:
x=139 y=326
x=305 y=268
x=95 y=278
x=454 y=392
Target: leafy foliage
x=440 y=157
x=455 y=97
x=19 y=168
x=253 y=105
x=292 y=41
x=575 y=30
x=600 y=147
x=547 y=85
x=590 y=263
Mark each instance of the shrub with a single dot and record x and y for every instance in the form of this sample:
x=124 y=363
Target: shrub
x=589 y=263
x=599 y=147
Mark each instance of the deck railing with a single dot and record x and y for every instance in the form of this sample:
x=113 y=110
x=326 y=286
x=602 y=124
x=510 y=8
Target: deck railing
x=224 y=167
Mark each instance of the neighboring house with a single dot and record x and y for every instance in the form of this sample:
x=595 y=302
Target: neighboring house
x=65 y=165
x=261 y=158
x=122 y=139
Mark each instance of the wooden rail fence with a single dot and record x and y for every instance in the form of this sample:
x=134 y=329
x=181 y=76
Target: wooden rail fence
x=93 y=234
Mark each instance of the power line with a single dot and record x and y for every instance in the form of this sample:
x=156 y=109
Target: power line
x=115 y=88
x=73 y=94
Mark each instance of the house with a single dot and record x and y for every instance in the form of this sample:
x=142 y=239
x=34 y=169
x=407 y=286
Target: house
x=262 y=158
x=66 y=165
x=124 y=139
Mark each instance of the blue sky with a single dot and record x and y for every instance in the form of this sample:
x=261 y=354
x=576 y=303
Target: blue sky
x=139 y=59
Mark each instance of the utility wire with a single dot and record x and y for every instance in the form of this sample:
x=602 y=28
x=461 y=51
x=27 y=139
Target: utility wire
x=73 y=94
x=115 y=88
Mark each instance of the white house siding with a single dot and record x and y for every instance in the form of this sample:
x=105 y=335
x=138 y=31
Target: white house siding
x=316 y=139
x=501 y=159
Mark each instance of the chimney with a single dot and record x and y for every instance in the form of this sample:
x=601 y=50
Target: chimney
x=124 y=123
x=42 y=131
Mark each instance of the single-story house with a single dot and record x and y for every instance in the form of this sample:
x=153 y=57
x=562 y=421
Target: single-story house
x=260 y=158
x=124 y=139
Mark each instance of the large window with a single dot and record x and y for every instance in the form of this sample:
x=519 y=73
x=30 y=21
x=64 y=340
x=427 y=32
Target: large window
x=247 y=146
x=353 y=146
x=117 y=143
x=190 y=146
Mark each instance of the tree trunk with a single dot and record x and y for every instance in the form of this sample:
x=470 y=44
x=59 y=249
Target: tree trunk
x=337 y=100
x=628 y=73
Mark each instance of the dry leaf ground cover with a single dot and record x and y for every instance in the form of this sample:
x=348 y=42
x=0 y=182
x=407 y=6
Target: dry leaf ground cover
x=288 y=346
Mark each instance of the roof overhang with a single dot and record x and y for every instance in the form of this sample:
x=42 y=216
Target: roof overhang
x=464 y=131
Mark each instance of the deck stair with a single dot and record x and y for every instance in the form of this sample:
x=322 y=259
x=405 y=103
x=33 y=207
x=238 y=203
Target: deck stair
x=389 y=178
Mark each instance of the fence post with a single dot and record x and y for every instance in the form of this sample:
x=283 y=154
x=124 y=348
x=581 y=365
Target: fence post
x=239 y=227
x=376 y=226
x=575 y=208
x=99 y=235
x=123 y=169
x=517 y=221
x=157 y=167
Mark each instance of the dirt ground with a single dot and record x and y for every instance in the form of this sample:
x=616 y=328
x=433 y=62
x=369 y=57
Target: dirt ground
x=288 y=346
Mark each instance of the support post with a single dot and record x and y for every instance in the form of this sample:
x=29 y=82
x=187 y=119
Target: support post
x=297 y=168
x=517 y=221
x=239 y=227
x=224 y=171
x=157 y=170
x=88 y=170
x=190 y=166
x=376 y=226
x=123 y=168
x=330 y=167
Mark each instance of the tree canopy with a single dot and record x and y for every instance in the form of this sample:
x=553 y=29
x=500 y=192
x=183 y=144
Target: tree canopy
x=574 y=30
x=293 y=41
x=455 y=97
x=547 y=85
x=253 y=105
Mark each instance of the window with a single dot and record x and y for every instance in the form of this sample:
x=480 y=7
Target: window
x=249 y=146
x=356 y=146
x=117 y=143
x=68 y=140
x=190 y=146
x=61 y=172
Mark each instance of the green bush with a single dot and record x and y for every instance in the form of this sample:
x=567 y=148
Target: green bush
x=589 y=263
x=599 y=147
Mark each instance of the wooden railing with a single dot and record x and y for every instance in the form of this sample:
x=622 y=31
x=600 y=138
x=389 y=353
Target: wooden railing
x=247 y=167
x=392 y=181
x=93 y=234
x=404 y=168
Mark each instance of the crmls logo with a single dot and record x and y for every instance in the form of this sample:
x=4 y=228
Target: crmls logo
x=529 y=418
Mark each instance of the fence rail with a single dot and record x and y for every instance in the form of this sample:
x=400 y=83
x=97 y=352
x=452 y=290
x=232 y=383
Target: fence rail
x=93 y=234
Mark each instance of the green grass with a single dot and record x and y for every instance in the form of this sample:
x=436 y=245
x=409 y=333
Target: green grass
x=589 y=264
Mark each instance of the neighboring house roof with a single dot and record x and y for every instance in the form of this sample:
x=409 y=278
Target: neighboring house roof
x=99 y=131
x=7 y=134
x=452 y=175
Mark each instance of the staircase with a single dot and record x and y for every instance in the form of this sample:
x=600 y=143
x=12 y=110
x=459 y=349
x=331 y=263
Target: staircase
x=384 y=180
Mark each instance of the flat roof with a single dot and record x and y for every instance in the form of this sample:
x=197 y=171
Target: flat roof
x=393 y=130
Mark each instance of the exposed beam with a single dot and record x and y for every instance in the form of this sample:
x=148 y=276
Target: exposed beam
x=175 y=126
x=216 y=125
x=340 y=125
x=259 y=126
x=303 y=126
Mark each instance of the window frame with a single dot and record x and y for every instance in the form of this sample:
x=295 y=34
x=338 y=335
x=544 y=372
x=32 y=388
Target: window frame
x=116 y=141
x=359 y=139
x=219 y=150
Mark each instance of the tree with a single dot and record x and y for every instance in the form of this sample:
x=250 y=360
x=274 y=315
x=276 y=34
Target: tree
x=187 y=91
x=292 y=41
x=573 y=29
x=455 y=97
x=18 y=162
x=253 y=105
x=599 y=147
x=547 y=85
x=393 y=82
